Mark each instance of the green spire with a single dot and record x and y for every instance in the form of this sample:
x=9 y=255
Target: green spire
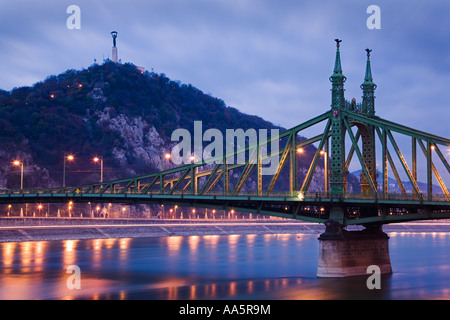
x=337 y=64
x=368 y=77
x=337 y=82
x=368 y=87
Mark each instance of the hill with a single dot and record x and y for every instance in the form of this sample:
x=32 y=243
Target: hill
x=112 y=110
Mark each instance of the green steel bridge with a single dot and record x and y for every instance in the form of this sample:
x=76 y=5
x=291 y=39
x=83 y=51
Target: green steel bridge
x=221 y=184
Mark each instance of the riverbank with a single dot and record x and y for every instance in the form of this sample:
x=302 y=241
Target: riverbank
x=46 y=229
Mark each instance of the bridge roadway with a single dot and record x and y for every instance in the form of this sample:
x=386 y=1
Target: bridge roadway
x=314 y=207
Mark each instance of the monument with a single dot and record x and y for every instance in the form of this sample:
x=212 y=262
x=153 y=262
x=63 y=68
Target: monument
x=114 y=48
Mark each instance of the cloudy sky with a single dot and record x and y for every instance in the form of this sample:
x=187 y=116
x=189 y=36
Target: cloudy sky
x=264 y=57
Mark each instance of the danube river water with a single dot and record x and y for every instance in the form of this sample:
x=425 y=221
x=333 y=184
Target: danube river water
x=257 y=267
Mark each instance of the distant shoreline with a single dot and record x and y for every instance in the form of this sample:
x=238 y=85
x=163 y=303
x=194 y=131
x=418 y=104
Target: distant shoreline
x=50 y=229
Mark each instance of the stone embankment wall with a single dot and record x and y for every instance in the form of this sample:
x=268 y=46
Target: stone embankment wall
x=40 y=229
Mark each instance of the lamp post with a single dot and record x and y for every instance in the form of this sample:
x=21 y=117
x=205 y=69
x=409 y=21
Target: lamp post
x=97 y=159
x=19 y=163
x=69 y=158
x=295 y=178
x=70 y=206
x=325 y=164
x=166 y=156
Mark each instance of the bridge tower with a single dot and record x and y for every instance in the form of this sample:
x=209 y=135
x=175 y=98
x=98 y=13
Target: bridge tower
x=368 y=132
x=337 y=177
x=338 y=181
x=338 y=166
x=341 y=252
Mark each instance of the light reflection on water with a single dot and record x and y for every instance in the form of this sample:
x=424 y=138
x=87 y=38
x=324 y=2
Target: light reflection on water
x=266 y=266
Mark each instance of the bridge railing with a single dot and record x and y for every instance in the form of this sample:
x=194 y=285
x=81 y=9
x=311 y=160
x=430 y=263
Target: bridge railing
x=274 y=194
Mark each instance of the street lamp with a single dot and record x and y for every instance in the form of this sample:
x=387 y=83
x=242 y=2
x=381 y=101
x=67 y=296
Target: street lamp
x=19 y=163
x=166 y=156
x=97 y=159
x=325 y=164
x=69 y=158
x=70 y=206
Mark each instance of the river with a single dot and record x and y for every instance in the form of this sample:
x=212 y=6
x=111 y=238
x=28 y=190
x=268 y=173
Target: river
x=256 y=267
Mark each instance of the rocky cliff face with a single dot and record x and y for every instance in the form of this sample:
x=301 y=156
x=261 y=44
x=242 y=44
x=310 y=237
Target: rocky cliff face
x=140 y=140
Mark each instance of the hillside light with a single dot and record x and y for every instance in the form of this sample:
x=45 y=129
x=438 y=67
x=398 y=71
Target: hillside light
x=19 y=163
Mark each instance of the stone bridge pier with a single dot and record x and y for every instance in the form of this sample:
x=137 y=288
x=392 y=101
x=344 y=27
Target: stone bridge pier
x=344 y=253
